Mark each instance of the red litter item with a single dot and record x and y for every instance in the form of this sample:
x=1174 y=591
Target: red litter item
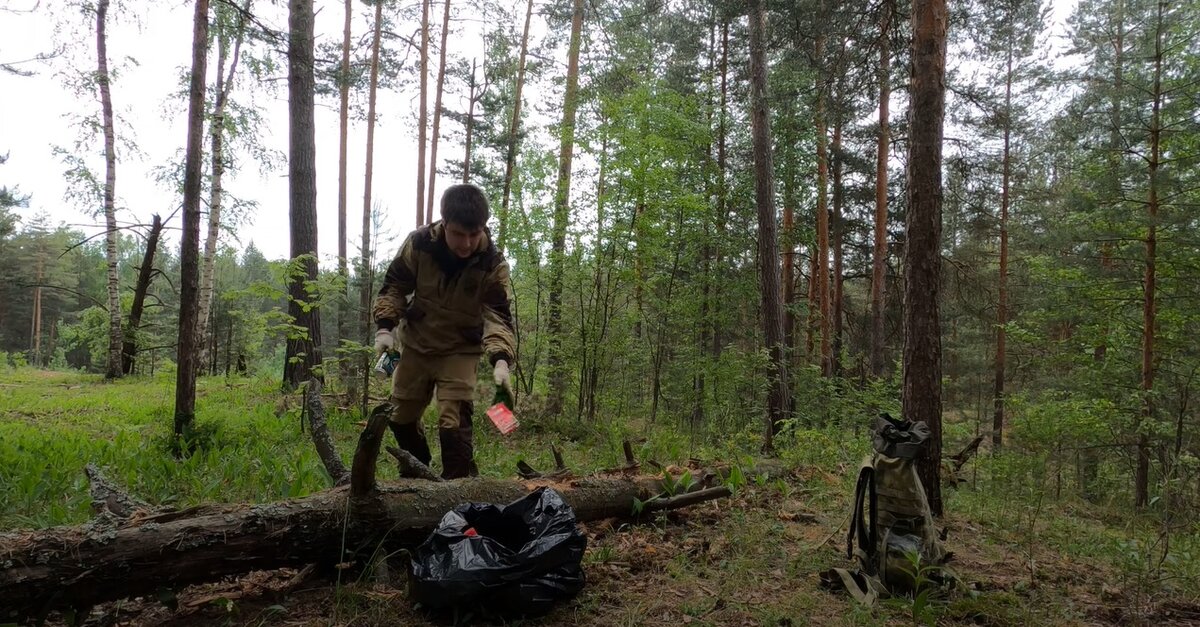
x=503 y=418
x=470 y=532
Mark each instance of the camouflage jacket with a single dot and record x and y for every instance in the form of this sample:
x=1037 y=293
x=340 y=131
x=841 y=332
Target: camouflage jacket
x=457 y=305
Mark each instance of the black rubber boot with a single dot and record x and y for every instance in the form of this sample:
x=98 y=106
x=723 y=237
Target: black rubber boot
x=411 y=439
x=458 y=448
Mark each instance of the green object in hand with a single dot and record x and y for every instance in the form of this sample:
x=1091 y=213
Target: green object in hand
x=502 y=396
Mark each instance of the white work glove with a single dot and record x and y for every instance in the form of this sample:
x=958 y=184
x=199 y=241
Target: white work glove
x=385 y=340
x=503 y=378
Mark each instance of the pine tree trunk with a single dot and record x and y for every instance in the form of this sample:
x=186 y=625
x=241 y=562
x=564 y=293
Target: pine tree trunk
x=366 y=270
x=789 y=268
x=821 y=278
x=562 y=215
x=471 y=98
x=1002 y=287
x=778 y=396
x=303 y=347
x=1142 y=476
x=510 y=159
x=837 y=304
x=145 y=274
x=113 y=365
x=718 y=342
x=368 y=175
x=217 y=138
x=343 y=313
x=189 y=253
x=922 y=391
x=423 y=114
x=437 y=114
x=879 y=250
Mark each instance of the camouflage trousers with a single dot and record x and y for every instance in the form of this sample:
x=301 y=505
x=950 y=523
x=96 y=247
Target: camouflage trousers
x=414 y=382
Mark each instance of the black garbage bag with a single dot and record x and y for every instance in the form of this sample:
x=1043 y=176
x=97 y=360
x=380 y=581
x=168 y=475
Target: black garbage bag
x=517 y=559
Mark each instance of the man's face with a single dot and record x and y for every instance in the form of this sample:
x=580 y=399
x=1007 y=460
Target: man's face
x=461 y=240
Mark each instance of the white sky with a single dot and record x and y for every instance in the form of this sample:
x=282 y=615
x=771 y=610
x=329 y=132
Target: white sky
x=33 y=110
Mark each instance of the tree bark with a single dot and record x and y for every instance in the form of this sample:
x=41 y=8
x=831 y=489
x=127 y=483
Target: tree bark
x=722 y=187
x=303 y=346
x=1002 y=287
x=821 y=277
x=510 y=158
x=189 y=250
x=103 y=80
x=437 y=114
x=1142 y=476
x=837 y=304
x=922 y=392
x=471 y=98
x=145 y=274
x=562 y=216
x=223 y=86
x=343 y=313
x=368 y=175
x=778 y=397
x=423 y=112
x=879 y=250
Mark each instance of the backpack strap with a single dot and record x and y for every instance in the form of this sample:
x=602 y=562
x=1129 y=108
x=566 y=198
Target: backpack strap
x=864 y=530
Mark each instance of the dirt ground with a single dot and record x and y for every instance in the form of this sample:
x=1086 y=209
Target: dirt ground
x=749 y=560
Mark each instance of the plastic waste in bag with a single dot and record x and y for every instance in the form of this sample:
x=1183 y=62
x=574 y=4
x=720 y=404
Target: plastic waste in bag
x=521 y=558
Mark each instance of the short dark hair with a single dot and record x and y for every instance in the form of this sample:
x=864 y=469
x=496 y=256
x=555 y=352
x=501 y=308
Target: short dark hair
x=466 y=205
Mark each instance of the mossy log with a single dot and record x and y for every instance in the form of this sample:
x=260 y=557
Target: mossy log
x=109 y=558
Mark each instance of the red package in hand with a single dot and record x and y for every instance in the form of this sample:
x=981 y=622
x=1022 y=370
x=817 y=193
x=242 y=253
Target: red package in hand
x=503 y=418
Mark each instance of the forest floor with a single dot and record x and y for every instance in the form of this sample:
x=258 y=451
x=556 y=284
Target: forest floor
x=751 y=559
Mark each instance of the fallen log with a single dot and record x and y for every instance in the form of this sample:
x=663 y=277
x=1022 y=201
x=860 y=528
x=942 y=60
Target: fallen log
x=77 y=567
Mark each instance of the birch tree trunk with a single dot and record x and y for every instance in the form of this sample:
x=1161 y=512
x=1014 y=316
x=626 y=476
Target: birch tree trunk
x=113 y=365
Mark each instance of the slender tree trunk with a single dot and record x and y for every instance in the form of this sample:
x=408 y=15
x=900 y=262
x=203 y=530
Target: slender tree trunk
x=778 y=396
x=471 y=98
x=189 y=253
x=1089 y=460
x=722 y=189
x=922 y=393
x=145 y=274
x=821 y=278
x=113 y=368
x=36 y=322
x=343 y=313
x=510 y=159
x=1002 y=287
x=423 y=115
x=789 y=259
x=437 y=114
x=369 y=170
x=223 y=86
x=879 y=250
x=1142 y=476
x=838 y=297
x=303 y=348
x=562 y=215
